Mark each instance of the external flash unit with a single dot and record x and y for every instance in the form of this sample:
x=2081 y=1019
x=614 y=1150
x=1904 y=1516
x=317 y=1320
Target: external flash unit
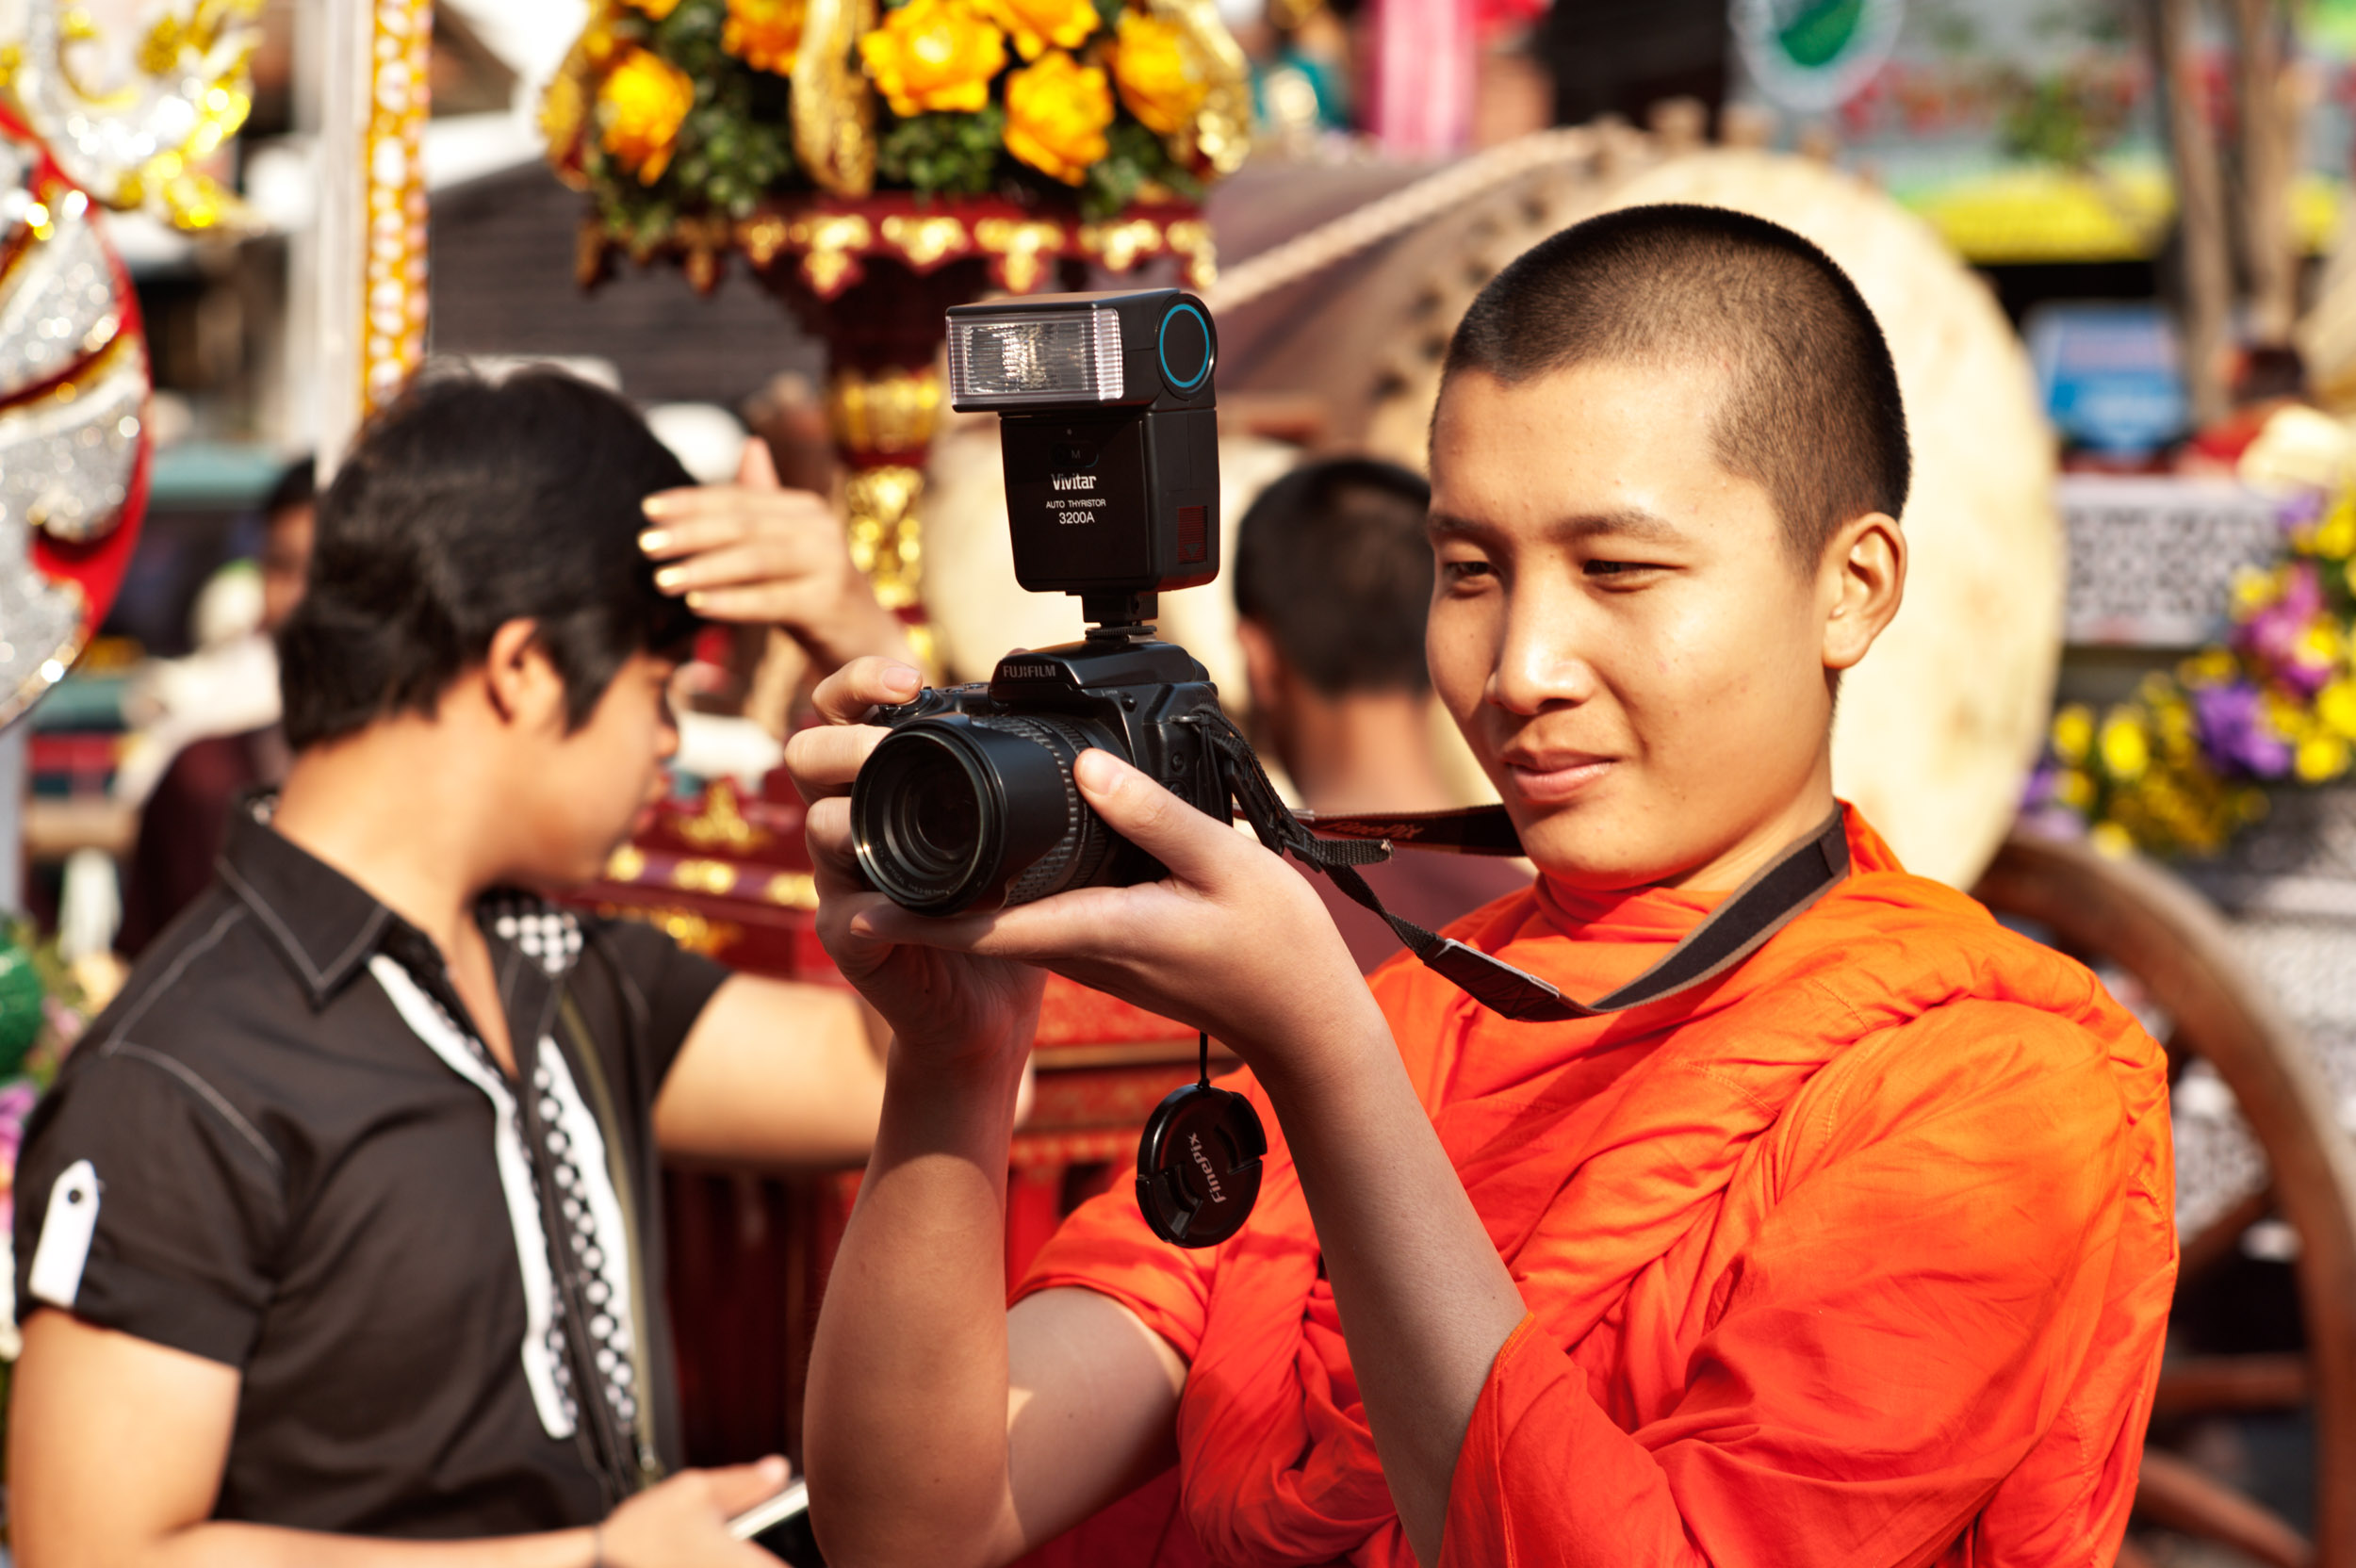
x=1109 y=432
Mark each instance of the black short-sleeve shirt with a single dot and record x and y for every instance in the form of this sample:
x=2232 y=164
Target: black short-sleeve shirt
x=290 y=1181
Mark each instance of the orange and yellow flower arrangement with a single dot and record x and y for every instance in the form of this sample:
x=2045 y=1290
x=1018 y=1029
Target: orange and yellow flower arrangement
x=674 y=107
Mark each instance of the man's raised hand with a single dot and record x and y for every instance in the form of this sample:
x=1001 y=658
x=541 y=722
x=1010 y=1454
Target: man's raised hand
x=756 y=553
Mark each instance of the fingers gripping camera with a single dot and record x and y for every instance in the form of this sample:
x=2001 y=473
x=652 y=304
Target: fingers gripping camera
x=970 y=800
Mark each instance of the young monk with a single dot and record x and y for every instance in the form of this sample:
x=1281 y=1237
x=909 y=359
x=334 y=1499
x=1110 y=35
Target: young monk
x=1858 y=1253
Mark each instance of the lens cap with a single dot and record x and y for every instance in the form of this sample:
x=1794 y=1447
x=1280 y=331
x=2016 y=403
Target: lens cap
x=1199 y=1165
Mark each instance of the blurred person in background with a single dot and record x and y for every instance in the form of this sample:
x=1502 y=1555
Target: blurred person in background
x=185 y=814
x=1332 y=580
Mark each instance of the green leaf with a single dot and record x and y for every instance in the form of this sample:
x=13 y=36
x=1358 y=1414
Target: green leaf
x=947 y=155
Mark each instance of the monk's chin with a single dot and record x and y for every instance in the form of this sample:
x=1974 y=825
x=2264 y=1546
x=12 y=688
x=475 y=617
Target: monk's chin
x=1577 y=851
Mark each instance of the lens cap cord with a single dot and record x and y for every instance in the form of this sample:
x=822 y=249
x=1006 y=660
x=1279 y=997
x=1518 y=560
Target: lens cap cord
x=1198 y=1162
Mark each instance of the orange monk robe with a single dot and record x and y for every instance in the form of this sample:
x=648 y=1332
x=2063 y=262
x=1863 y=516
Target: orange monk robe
x=1859 y=1255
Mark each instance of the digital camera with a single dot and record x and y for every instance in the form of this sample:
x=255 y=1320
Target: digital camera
x=1108 y=433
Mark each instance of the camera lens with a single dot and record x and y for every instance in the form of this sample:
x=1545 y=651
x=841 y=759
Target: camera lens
x=957 y=810
x=935 y=816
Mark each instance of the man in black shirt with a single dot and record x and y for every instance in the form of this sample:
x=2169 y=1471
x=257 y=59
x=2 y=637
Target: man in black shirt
x=338 y=1234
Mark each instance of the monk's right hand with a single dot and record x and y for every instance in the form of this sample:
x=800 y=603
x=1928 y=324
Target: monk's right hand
x=937 y=1002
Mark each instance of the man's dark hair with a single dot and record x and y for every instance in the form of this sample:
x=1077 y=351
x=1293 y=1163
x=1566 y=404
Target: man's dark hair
x=468 y=504
x=1332 y=560
x=1813 y=416
x=297 y=484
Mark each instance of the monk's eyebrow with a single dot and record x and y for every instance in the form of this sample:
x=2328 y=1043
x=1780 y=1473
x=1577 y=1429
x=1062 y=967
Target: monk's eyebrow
x=1631 y=522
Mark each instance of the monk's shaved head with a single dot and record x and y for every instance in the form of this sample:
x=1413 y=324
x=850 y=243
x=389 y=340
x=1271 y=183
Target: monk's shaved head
x=1812 y=412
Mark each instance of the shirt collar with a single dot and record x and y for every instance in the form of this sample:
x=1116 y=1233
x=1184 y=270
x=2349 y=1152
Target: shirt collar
x=324 y=925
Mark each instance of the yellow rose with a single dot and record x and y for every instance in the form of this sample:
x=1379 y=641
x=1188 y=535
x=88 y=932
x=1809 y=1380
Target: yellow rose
x=2111 y=840
x=762 y=33
x=934 y=54
x=640 y=106
x=2073 y=732
x=2320 y=758
x=1035 y=23
x=654 y=9
x=1057 y=112
x=2210 y=667
x=1161 y=79
x=2336 y=536
x=2126 y=747
x=2335 y=707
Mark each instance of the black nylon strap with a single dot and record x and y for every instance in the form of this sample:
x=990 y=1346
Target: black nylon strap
x=1755 y=911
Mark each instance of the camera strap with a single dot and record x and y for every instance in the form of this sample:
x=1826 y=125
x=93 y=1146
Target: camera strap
x=1755 y=911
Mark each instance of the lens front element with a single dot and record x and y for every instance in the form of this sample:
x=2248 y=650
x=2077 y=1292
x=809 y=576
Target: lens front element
x=955 y=810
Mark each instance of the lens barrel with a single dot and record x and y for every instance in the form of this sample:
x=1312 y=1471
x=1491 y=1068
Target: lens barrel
x=960 y=810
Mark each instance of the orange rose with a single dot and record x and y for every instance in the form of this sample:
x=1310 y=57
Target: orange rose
x=1161 y=79
x=1057 y=112
x=934 y=54
x=762 y=33
x=640 y=106
x=1035 y=23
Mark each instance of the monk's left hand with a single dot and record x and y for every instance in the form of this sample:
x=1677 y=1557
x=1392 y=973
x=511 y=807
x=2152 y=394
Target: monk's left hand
x=1233 y=940
x=757 y=553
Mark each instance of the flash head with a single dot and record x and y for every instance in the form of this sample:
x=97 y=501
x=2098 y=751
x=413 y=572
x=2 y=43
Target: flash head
x=1109 y=432
x=1149 y=348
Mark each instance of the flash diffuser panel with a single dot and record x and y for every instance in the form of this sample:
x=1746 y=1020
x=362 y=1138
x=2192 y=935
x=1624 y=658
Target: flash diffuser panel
x=1035 y=356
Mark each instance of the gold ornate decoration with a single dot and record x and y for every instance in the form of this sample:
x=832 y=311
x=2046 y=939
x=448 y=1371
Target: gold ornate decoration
x=626 y=864
x=831 y=240
x=717 y=878
x=1191 y=238
x=833 y=105
x=793 y=890
x=886 y=543
x=1221 y=133
x=760 y=238
x=138 y=144
x=699 y=933
x=885 y=413
x=1121 y=243
x=1022 y=249
x=393 y=336
x=830 y=243
x=720 y=824
x=927 y=242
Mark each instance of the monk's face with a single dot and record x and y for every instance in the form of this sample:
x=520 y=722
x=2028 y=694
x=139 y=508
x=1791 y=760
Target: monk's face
x=1618 y=629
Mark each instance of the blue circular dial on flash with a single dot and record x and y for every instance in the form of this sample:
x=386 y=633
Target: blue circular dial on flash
x=1185 y=356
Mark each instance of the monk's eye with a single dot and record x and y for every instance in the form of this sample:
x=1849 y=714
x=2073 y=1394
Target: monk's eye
x=1465 y=571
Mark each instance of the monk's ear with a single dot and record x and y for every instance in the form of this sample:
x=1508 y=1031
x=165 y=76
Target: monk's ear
x=1862 y=578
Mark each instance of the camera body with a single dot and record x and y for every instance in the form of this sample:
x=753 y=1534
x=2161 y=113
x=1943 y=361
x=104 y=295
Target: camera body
x=1109 y=434
x=1008 y=746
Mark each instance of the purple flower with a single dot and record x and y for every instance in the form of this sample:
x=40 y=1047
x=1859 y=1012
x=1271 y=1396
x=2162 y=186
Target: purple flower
x=2300 y=508
x=2276 y=635
x=2230 y=724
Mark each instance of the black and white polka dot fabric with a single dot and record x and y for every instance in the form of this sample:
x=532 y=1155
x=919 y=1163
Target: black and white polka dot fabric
x=540 y=931
x=571 y=1159
x=592 y=1227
